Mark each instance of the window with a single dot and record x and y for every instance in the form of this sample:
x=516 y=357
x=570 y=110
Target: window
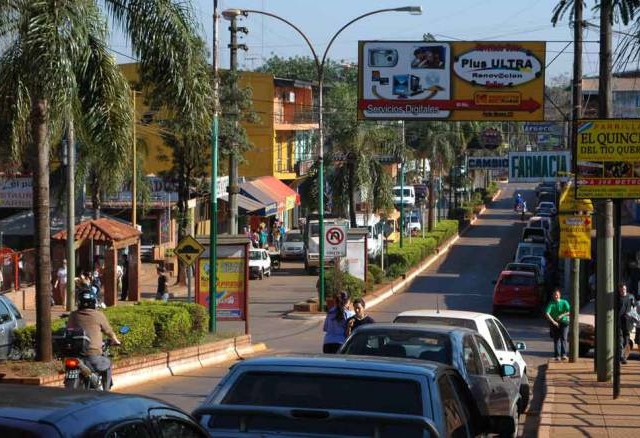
x=293 y=237
x=175 y=427
x=505 y=335
x=13 y=309
x=132 y=429
x=470 y=355
x=5 y=316
x=487 y=357
x=518 y=280
x=496 y=339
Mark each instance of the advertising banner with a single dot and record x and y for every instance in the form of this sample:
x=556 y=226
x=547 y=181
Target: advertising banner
x=575 y=236
x=539 y=166
x=429 y=80
x=608 y=159
x=479 y=163
x=231 y=283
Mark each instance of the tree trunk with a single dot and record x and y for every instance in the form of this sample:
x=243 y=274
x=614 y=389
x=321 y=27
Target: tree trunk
x=352 y=192
x=41 y=221
x=95 y=196
x=183 y=197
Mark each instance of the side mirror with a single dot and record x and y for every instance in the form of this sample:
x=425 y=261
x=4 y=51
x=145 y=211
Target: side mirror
x=521 y=346
x=124 y=329
x=507 y=370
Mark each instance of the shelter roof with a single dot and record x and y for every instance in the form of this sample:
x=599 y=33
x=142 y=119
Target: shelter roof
x=101 y=230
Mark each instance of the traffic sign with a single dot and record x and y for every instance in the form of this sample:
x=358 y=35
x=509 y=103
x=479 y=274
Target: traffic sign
x=188 y=250
x=335 y=241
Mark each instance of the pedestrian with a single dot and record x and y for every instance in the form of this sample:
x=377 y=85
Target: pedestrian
x=625 y=322
x=61 y=283
x=162 y=291
x=276 y=237
x=125 y=278
x=557 y=313
x=283 y=231
x=335 y=324
x=359 y=318
x=263 y=237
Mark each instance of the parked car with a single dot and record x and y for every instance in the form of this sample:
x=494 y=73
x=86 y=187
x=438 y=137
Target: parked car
x=517 y=290
x=325 y=396
x=404 y=195
x=292 y=245
x=491 y=384
x=10 y=319
x=548 y=196
x=489 y=327
x=526 y=267
x=539 y=261
x=422 y=192
x=548 y=205
x=259 y=263
x=541 y=222
x=40 y=411
x=528 y=248
x=545 y=187
x=536 y=235
x=413 y=221
x=587 y=331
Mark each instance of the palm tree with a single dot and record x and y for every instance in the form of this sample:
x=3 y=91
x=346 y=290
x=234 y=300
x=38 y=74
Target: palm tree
x=57 y=67
x=623 y=10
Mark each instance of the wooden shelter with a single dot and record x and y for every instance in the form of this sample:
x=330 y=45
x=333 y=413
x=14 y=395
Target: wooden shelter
x=112 y=235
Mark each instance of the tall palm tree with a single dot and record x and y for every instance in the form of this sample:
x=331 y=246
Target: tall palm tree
x=56 y=66
x=623 y=10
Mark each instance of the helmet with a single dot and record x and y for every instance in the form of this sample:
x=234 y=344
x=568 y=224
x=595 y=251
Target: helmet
x=87 y=299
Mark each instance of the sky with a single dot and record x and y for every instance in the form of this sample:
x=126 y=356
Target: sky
x=453 y=20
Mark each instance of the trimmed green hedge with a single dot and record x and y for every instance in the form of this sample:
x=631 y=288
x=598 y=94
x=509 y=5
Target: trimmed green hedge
x=153 y=325
x=344 y=282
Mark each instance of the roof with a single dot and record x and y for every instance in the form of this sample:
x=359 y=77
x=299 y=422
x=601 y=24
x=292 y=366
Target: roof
x=406 y=327
x=461 y=314
x=244 y=203
x=273 y=185
x=102 y=230
x=590 y=85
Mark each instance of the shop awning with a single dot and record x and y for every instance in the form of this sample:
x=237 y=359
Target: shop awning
x=247 y=204
x=287 y=197
x=253 y=191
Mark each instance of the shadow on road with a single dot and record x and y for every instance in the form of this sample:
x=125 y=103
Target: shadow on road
x=532 y=421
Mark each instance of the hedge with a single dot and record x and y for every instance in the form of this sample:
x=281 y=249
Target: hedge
x=153 y=325
x=354 y=286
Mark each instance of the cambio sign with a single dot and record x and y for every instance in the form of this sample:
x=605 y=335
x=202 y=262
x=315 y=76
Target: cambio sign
x=538 y=166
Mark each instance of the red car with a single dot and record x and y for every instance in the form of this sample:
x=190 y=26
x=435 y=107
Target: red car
x=516 y=290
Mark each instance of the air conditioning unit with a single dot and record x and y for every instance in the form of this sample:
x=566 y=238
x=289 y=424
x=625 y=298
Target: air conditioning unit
x=290 y=97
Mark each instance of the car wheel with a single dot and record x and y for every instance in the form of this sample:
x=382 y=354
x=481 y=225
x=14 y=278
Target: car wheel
x=583 y=349
x=269 y=273
x=261 y=276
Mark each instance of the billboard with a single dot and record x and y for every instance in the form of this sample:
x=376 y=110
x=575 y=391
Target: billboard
x=429 y=80
x=477 y=163
x=575 y=236
x=538 y=166
x=608 y=159
x=15 y=192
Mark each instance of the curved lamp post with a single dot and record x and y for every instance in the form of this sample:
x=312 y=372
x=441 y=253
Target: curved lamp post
x=320 y=65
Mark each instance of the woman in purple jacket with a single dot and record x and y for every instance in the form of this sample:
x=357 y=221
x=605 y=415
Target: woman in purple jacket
x=335 y=324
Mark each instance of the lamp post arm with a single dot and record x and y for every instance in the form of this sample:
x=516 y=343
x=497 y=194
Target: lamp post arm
x=297 y=29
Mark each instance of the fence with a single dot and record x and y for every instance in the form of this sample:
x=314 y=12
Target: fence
x=17 y=270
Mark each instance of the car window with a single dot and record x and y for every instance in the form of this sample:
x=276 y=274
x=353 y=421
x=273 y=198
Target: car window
x=326 y=391
x=254 y=255
x=264 y=256
x=175 y=427
x=470 y=356
x=487 y=357
x=5 y=316
x=505 y=335
x=293 y=237
x=131 y=429
x=401 y=343
x=518 y=280
x=496 y=338
x=13 y=309
x=456 y=418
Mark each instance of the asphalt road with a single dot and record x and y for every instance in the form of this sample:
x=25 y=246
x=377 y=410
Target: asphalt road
x=460 y=280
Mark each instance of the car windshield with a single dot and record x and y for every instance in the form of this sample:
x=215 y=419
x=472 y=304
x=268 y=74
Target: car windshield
x=437 y=320
x=397 y=192
x=314 y=229
x=293 y=237
x=254 y=255
x=531 y=251
x=517 y=280
x=532 y=260
x=520 y=267
x=412 y=344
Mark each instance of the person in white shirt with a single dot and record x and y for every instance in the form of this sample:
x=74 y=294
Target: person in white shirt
x=61 y=282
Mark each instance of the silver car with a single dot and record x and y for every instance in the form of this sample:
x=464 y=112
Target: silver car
x=10 y=319
x=491 y=384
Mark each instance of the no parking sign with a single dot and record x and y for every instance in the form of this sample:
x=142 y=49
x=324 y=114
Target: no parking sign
x=335 y=241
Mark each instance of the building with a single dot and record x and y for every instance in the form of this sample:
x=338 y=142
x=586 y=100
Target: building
x=626 y=95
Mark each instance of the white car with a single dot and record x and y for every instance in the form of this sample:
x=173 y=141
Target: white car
x=405 y=195
x=489 y=327
x=259 y=263
x=413 y=222
x=292 y=245
x=529 y=249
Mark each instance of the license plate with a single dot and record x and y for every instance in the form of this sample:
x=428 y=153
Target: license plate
x=72 y=374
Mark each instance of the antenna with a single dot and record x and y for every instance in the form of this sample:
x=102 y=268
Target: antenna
x=437 y=304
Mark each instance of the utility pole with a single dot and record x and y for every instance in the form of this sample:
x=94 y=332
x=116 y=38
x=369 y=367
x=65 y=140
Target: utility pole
x=576 y=114
x=402 y=224
x=233 y=188
x=604 y=217
x=134 y=169
x=213 y=220
x=71 y=216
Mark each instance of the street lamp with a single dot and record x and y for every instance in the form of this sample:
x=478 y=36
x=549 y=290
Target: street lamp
x=320 y=64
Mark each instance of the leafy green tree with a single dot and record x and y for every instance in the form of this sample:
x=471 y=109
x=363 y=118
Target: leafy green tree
x=57 y=67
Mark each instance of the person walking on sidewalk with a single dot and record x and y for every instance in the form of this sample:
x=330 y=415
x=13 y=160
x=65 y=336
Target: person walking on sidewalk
x=335 y=324
x=162 y=291
x=360 y=317
x=625 y=324
x=557 y=313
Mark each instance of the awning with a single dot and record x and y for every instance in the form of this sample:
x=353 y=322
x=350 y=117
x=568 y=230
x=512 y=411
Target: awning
x=287 y=197
x=252 y=191
x=247 y=204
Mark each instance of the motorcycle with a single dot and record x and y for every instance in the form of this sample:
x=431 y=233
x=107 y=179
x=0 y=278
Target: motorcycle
x=275 y=260
x=78 y=372
x=521 y=209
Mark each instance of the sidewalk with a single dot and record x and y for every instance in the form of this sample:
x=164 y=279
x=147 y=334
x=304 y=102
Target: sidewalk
x=577 y=405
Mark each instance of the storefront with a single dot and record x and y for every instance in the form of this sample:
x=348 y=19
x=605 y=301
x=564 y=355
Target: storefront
x=280 y=200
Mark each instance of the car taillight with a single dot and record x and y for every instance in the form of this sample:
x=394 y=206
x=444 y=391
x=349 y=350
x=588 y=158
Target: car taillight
x=71 y=363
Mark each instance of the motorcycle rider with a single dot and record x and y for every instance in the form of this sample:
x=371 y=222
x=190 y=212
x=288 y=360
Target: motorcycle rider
x=518 y=201
x=94 y=324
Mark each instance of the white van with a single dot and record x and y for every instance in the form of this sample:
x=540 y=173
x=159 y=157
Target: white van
x=375 y=236
x=404 y=195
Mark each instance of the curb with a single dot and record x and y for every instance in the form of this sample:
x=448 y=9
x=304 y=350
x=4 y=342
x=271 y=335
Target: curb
x=135 y=371
x=546 y=410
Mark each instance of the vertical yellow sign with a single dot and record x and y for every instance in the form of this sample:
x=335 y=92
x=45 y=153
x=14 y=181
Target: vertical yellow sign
x=575 y=236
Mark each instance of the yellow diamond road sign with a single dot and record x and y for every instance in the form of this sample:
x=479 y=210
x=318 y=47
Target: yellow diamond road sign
x=188 y=250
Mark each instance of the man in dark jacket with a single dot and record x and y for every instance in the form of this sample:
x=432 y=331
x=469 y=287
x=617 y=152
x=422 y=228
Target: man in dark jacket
x=624 y=324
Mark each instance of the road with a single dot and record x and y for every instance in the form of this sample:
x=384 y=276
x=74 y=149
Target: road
x=460 y=280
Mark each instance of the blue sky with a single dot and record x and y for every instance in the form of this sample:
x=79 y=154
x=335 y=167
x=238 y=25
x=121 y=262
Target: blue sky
x=467 y=20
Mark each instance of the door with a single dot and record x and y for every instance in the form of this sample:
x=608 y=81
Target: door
x=498 y=343
x=7 y=324
x=501 y=391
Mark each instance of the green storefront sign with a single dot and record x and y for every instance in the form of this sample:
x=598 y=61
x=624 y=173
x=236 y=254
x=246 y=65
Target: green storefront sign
x=538 y=166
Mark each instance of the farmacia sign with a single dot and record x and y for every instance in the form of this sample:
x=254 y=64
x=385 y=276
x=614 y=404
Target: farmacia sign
x=539 y=166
